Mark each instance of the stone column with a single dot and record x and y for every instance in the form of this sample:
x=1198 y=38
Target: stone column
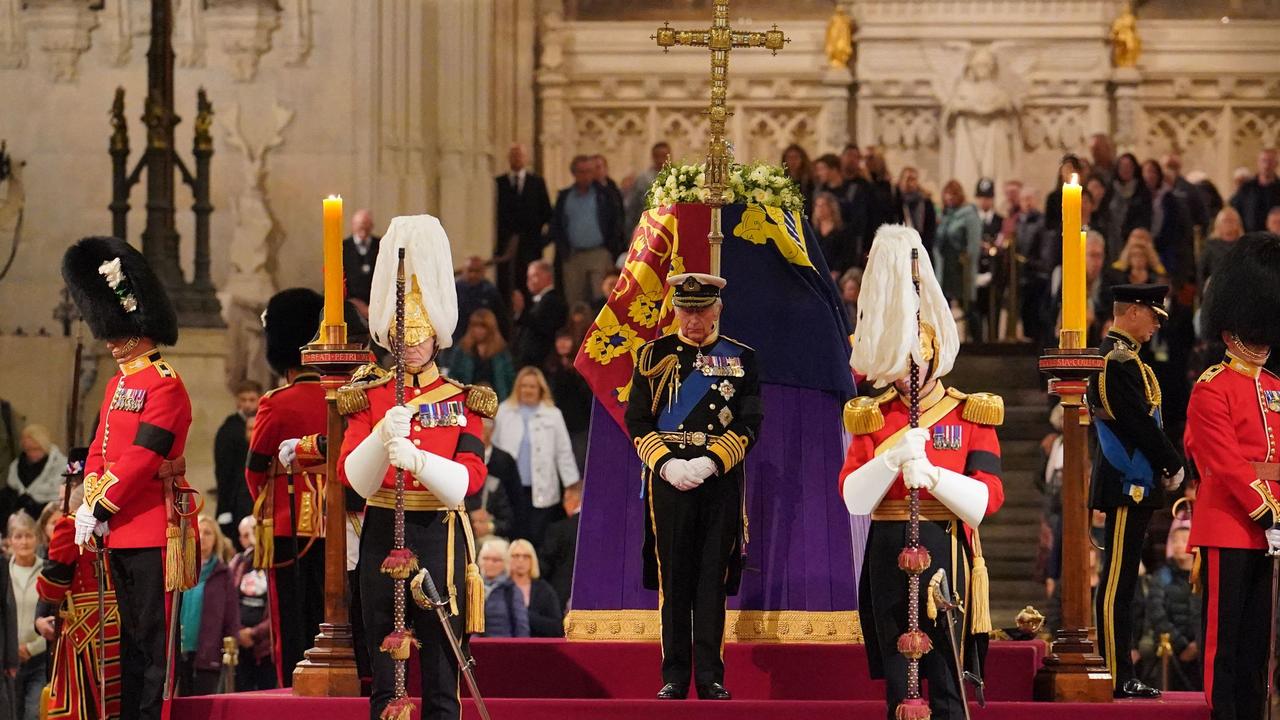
x=1125 y=125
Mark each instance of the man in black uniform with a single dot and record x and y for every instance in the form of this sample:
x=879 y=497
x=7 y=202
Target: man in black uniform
x=693 y=413
x=1131 y=454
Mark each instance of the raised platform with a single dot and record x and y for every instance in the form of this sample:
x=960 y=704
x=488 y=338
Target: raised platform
x=558 y=680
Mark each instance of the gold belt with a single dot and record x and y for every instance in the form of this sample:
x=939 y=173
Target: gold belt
x=415 y=500
x=696 y=439
x=898 y=511
x=1267 y=471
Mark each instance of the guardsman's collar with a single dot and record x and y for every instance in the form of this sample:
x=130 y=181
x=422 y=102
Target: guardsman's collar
x=306 y=376
x=927 y=400
x=423 y=377
x=711 y=339
x=140 y=363
x=1122 y=335
x=1242 y=366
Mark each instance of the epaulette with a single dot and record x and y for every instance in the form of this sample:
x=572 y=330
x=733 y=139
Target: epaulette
x=1211 y=372
x=737 y=342
x=271 y=392
x=1121 y=353
x=480 y=399
x=165 y=369
x=352 y=397
x=862 y=414
x=981 y=408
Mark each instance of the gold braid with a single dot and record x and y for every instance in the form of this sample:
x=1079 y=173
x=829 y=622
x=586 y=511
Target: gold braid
x=664 y=370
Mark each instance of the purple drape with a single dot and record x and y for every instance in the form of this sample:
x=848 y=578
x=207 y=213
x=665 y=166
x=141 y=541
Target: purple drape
x=801 y=552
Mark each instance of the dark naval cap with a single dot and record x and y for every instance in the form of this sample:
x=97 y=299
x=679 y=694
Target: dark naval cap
x=1148 y=294
x=695 y=290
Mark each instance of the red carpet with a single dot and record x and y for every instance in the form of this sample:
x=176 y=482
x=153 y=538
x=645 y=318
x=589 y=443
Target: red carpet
x=556 y=680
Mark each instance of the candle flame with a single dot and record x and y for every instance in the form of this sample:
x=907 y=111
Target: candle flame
x=339 y=197
x=1075 y=179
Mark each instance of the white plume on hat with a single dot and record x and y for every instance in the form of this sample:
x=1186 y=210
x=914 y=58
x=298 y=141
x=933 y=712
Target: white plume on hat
x=427 y=256
x=887 y=331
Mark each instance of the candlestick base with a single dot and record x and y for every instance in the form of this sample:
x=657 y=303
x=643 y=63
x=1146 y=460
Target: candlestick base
x=329 y=669
x=1073 y=671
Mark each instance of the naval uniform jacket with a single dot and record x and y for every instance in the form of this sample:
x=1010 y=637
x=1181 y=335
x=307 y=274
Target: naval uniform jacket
x=1132 y=452
x=142 y=424
x=680 y=407
x=296 y=410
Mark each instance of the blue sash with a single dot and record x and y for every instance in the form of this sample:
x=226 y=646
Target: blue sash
x=1135 y=469
x=693 y=389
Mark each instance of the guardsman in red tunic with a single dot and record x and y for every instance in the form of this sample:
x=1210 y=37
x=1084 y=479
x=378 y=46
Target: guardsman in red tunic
x=1233 y=429
x=68 y=588
x=953 y=458
x=287 y=495
x=435 y=437
x=135 y=467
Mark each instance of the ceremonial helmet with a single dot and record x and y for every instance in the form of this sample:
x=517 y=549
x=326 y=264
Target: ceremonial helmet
x=290 y=321
x=888 y=335
x=1243 y=294
x=431 y=297
x=117 y=292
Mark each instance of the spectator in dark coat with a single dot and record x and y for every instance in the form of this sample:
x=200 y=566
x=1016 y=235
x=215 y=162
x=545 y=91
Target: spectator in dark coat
x=1170 y=227
x=857 y=200
x=230 y=448
x=9 y=661
x=490 y=509
x=475 y=292
x=795 y=163
x=505 y=614
x=884 y=204
x=1068 y=166
x=1172 y=608
x=1128 y=202
x=573 y=395
x=538 y=320
x=514 y=522
x=1187 y=194
x=359 y=256
x=586 y=227
x=560 y=547
x=523 y=209
x=1227 y=228
x=1258 y=195
x=210 y=611
x=545 y=616
x=256 y=669
x=1036 y=253
x=480 y=356
x=914 y=208
x=834 y=238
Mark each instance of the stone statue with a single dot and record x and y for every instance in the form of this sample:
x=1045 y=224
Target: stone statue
x=1126 y=46
x=839 y=43
x=982 y=118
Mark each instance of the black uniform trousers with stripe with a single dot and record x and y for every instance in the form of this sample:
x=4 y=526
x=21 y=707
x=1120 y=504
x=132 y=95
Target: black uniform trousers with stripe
x=1236 y=618
x=427 y=535
x=1125 y=531
x=299 y=588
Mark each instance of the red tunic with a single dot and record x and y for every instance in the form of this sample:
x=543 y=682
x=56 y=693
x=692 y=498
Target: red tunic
x=1233 y=420
x=143 y=422
x=460 y=443
x=293 y=411
x=69 y=582
x=966 y=447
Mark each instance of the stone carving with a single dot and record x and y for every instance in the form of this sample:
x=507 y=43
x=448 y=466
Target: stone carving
x=244 y=28
x=60 y=30
x=295 y=37
x=907 y=128
x=1180 y=129
x=982 y=119
x=116 y=37
x=13 y=46
x=771 y=129
x=1054 y=128
x=1256 y=129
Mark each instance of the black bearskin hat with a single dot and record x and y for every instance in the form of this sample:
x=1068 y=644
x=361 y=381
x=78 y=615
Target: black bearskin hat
x=1243 y=294
x=116 y=291
x=291 y=321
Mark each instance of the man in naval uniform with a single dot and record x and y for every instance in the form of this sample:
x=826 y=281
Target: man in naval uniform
x=952 y=457
x=435 y=438
x=134 y=471
x=693 y=414
x=1233 y=430
x=1133 y=464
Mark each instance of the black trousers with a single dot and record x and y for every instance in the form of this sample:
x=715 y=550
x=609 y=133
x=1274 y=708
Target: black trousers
x=359 y=639
x=537 y=520
x=1113 y=602
x=254 y=674
x=883 y=603
x=696 y=532
x=427 y=534
x=299 y=590
x=138 y=574
x=1235 y=623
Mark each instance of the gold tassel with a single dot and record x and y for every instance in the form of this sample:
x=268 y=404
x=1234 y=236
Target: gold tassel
x=979 y=591
x=475 y=599
x=264 y=545
x=191 y=558
x=172 y=559
x=1195 y=573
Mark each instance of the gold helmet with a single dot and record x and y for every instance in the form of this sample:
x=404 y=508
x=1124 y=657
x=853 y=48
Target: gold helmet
x=417 y=321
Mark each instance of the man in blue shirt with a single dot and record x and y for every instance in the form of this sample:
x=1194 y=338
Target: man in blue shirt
x=587 y=232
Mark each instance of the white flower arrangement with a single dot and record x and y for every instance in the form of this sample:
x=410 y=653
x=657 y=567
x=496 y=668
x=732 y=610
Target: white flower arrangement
x=115 y=277
x=755 y=183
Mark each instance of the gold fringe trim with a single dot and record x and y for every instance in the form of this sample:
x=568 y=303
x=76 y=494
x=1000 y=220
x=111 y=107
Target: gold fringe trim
x=984 y=409
x=862 y=416
x=1195 y=573
x=979 y=591
x=264 y=540
x=770 y=626
x=351 y=398
x=181 y=560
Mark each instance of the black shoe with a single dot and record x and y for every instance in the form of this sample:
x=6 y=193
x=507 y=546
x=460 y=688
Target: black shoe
x=1137 y=689
x=673 y=691
x=713 y=691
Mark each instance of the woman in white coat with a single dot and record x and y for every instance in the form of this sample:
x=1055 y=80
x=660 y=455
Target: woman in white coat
x=35 y=476
x=531 y=429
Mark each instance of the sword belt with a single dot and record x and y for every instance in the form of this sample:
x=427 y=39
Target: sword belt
x=899 y=511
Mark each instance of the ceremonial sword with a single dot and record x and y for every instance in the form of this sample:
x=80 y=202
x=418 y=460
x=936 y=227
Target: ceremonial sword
x=940 y=594
x=100 y=567
x=1271 y=636
x=465 y=661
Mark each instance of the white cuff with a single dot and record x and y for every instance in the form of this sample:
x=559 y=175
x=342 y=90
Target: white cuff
x=963 y=495
x=367 y=465
x=446 y=479
x=865 y=487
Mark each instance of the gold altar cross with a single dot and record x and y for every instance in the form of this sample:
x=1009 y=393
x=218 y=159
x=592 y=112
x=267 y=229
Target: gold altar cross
x=720 y=38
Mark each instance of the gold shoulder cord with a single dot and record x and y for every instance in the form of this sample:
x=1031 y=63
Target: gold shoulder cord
x=667 y=372
x=1150 y=385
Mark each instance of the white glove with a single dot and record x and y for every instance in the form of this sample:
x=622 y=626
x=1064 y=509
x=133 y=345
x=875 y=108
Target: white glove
x=702 y=467
x=86 y=523
x=288 y=451
x=404 y=455
x=1174 y=481
x=919 y=475
x=1273 y=540
x=680 y=474
x=102 y=530
x=910 y=447
x=395 y=424
x=445 y=478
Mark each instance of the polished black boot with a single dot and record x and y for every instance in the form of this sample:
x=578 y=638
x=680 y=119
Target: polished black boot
x=713 y=691
x=1137 y=689
x=673 y=691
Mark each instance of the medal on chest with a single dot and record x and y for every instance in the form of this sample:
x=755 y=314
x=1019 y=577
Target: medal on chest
x=128 y=399
x=947 y=437
x=442 y=414
x=1272 y=399
x=718 y=365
